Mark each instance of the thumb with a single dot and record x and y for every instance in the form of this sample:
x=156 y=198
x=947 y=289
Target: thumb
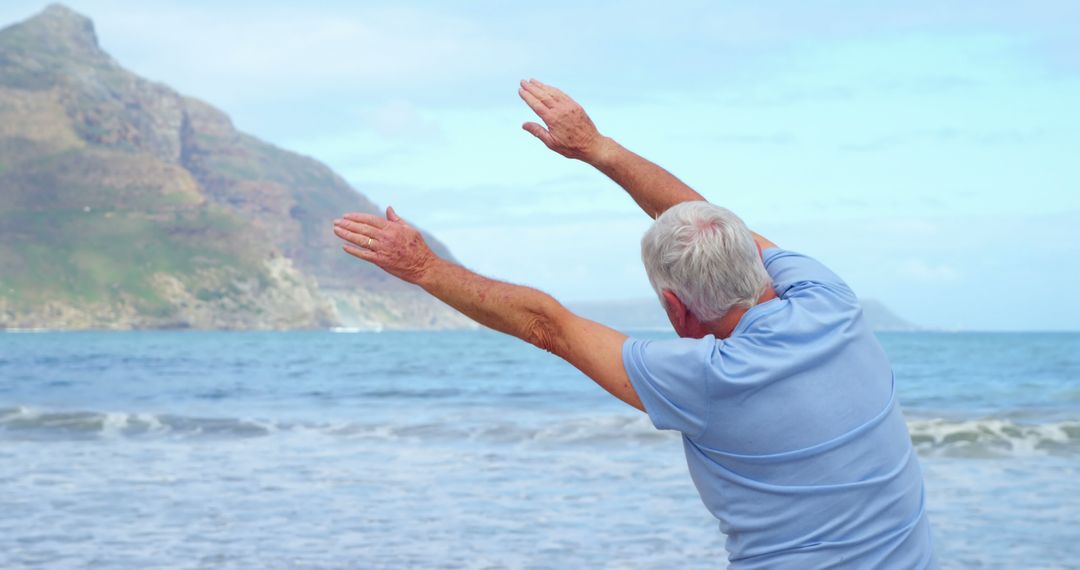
x=539 y=132
x=392 y=215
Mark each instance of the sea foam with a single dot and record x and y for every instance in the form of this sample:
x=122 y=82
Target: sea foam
x=984 y=437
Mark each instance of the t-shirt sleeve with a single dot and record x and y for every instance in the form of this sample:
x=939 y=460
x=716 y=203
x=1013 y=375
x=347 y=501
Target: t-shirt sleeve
x=792 y=271
x=671 y=378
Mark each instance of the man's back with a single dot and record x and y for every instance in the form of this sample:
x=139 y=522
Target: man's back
x=792 y=432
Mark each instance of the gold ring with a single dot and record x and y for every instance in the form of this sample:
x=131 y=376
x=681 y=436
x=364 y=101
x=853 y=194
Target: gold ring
x=369 y=242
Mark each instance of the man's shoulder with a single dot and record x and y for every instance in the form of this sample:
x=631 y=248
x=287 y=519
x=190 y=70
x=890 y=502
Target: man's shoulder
x=797 y=273
x=678 y=348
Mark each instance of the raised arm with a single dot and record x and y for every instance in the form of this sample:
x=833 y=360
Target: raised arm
x=528 y=314
x=569 y=131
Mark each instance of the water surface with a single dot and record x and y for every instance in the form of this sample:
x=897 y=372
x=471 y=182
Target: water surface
x=463 y=450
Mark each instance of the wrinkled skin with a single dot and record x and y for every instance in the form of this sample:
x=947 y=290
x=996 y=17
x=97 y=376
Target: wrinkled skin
x=390 y=243
x=570 y=132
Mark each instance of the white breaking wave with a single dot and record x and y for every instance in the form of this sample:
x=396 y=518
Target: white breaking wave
x=372 y=329
x=987 y=437
x=29 y=423
x=993 y=436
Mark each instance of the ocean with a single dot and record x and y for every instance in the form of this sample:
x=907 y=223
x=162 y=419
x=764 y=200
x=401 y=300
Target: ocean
x=464 y=450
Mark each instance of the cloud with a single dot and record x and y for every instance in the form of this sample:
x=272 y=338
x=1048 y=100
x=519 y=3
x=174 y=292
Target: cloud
x=278 y=51
x=563 y=200
x=573 y=260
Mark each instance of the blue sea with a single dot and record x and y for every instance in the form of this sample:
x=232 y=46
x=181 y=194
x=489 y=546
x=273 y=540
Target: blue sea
x=463 y=450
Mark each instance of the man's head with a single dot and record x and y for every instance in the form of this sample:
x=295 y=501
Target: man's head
x=703 y=263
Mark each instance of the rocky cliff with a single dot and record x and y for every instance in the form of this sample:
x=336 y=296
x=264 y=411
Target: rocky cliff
x=124 y=204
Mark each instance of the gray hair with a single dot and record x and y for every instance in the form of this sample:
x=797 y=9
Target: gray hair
x=705 y=255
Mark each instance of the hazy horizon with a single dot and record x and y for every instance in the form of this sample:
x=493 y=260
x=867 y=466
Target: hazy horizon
x=924 y=152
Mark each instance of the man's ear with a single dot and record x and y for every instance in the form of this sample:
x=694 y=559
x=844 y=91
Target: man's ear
x=676 y=310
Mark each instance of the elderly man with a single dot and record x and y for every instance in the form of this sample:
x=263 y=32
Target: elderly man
x=784 y=398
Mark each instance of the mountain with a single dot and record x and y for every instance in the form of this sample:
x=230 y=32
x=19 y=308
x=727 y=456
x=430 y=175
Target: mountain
x=647 y=314
x=124 y=204
x=881 y=318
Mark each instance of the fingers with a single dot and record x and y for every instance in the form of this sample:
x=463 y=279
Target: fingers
x=356 y=233
x=354 y=237
x=539 y=132
x=358 y=228
x=361 y=231
x=369 y=219
x=365 y=254
x=536 y=89
x=553 y=92
x=392 y=215
x=533 y=103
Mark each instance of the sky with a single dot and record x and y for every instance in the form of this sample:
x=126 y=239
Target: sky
x=928 y=152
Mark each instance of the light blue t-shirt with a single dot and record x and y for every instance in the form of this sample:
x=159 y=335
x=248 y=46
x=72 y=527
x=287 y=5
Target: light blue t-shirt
x=791 y=428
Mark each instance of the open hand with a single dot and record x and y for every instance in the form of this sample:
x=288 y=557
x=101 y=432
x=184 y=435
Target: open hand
x=393 y=245
x=570 y=132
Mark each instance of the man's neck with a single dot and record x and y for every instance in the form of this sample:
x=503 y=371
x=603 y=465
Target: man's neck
x=727 y=323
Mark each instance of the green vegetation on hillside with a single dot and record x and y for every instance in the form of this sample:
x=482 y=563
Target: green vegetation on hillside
x=74 y=255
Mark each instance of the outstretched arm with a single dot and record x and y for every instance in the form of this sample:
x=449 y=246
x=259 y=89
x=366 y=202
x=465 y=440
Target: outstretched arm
x=569 y=131
x=533 y=316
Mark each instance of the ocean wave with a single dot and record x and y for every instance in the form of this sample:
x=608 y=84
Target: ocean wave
x=986 y=437
x=28 y=423
x=991 y=437
x=25 y=422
